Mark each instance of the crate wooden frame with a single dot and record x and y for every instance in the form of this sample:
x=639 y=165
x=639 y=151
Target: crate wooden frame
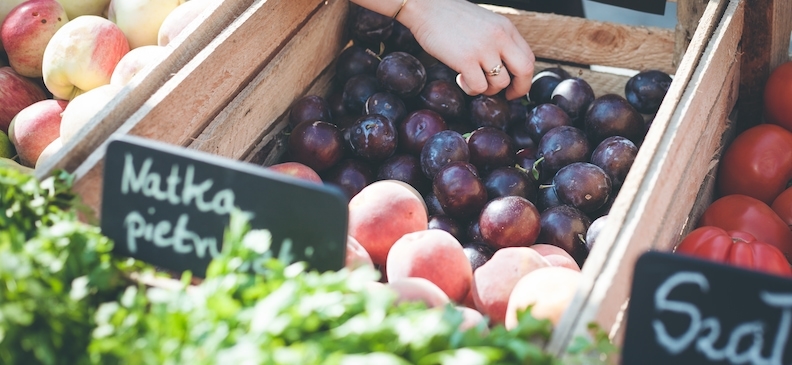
x=227 y=87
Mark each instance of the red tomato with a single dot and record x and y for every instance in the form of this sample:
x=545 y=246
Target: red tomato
x=749 y=215
x=778 y=96
x=782 y=205
x=758 y=163
x=735 y=248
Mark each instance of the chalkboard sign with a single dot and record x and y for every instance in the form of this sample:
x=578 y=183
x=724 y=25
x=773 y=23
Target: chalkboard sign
x=688 y=311
x=646 y=6
x=169 y=206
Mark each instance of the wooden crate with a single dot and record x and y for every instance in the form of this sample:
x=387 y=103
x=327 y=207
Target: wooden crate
x=231 y=98
x=671 y=184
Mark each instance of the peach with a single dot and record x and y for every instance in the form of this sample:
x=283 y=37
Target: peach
x=75 y=8
x=356 y=255
x=556 y=256
x=412 y=289
x=179 y=19
x=49 y=151
x=382 y=213
x=434 y=255
x=83 y=108
x=298 y=170
x=493 y=282
x=16 y=93
x=82 y=56
x=135 y=61
x=549 y=290
x=26 y=32
x=35 y=127
x=140 y=20
x=470 y=318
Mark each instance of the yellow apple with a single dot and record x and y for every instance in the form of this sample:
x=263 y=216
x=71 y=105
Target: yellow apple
x=75 y=8
x=134 y=61
x=140 y=20
x=179 y=19
x=26 y=31
x=35 y=127
x=84 y=107
x=82 y=55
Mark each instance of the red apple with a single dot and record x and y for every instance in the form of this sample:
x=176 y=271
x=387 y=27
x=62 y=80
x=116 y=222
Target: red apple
x=35 y=127
x=16 y=93
x=26 y=31
x=297 y=170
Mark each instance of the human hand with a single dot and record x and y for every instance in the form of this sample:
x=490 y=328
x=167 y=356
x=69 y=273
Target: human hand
x=473 y=41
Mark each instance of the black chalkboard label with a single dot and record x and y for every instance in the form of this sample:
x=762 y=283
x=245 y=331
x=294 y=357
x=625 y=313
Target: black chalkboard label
x=646 y=6
x=688 y=311
x=169 y=206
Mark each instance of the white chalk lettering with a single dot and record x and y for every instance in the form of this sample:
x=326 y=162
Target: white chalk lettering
x=750 y=336
x=150 y=184
x=662 y=303
x=182 y=240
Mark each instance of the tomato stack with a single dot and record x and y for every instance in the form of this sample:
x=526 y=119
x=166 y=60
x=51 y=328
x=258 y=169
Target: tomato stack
x=749 y=224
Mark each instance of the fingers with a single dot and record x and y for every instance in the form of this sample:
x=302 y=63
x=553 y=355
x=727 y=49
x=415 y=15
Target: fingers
x=520 y=62
x=472 y=80
x=514 y=74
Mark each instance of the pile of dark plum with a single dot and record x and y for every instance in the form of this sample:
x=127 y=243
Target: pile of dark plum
x=563 y=150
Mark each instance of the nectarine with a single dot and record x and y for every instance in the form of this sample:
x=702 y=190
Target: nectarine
x=382 y=213
x=493 y=282
x=549 y=290
x=434 y=255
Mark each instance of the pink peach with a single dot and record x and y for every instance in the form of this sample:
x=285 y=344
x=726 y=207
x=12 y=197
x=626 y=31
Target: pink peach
x=493 y=282
x=382 y=213
x=16 y=93
x=434 y=255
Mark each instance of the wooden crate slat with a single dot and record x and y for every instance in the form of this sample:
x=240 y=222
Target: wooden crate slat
x=234 y=132
x=662 y=201
x=688 y=16
x=272 y=146
x=766 y=40
x=184 y=47
x=599 y=256
x=589 y=42
x=183 y=106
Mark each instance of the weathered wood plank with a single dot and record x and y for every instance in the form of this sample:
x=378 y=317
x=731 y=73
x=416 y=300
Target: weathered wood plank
x=183 y=48
x=624 y=208
x=183 y=106
x=589 y=42
x=768 y=24
x=689 y=14
x=246 y=119
x=647 y=218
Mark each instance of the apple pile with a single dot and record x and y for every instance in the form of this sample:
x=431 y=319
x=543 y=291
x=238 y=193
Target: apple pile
x=488 y=200
x=61 y=61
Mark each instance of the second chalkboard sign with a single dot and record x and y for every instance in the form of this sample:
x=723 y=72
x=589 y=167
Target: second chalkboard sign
x=689 y=311
x=169 y=206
